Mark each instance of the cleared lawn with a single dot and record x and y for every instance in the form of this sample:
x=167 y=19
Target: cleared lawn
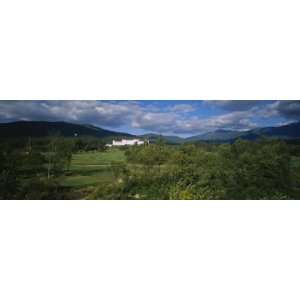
x=295 y=161
x=98 y=158
x=81 y=181
x=91 y=168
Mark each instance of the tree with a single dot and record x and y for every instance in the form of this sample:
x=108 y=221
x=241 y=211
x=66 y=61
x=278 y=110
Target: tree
x=58 y=156
x=9 y=173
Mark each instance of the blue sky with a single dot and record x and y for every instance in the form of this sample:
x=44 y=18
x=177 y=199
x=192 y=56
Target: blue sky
x=182 y=118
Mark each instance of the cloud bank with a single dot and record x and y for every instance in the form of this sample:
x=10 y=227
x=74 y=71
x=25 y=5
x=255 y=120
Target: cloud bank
x=166 y=117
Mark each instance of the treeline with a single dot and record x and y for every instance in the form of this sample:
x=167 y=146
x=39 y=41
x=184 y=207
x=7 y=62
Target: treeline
x=242 y=170
x=41 y=144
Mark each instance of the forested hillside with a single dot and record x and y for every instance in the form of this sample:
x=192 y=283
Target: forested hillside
x=44 y=129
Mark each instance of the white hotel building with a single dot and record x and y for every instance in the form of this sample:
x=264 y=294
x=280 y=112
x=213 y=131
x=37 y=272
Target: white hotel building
x=125 y=142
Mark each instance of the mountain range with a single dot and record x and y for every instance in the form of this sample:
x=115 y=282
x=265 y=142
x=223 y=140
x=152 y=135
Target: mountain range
x=289 y=131
x=41 y=129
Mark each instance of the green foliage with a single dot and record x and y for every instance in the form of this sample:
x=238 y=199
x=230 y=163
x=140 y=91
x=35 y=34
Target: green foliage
x=111 y=191
x=49 y=169
x=33 y=163
x=23 y=171
x=243 y=170
x=41 y=189
x=88 y=144
x=9 y=174
x=59 y=155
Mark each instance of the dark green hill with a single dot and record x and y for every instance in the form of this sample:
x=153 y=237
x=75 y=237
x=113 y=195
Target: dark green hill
x=43 y=129
x=290 y=131
x=217 y=135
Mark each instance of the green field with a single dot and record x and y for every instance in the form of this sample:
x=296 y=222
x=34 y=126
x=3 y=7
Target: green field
x=91 y=168
x=295 y=161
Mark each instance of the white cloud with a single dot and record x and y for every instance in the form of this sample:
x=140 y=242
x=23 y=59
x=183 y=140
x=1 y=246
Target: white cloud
x=182 y=108
x=176 y=119
x=230 y=121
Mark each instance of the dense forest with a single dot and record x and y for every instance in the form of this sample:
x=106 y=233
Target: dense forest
x=34 y=168
x=242 y=170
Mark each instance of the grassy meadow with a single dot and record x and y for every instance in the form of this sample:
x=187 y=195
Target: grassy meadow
x=88 y=169
x=295 y=162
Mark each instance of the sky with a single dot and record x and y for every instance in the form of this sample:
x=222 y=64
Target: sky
x=182 y=118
